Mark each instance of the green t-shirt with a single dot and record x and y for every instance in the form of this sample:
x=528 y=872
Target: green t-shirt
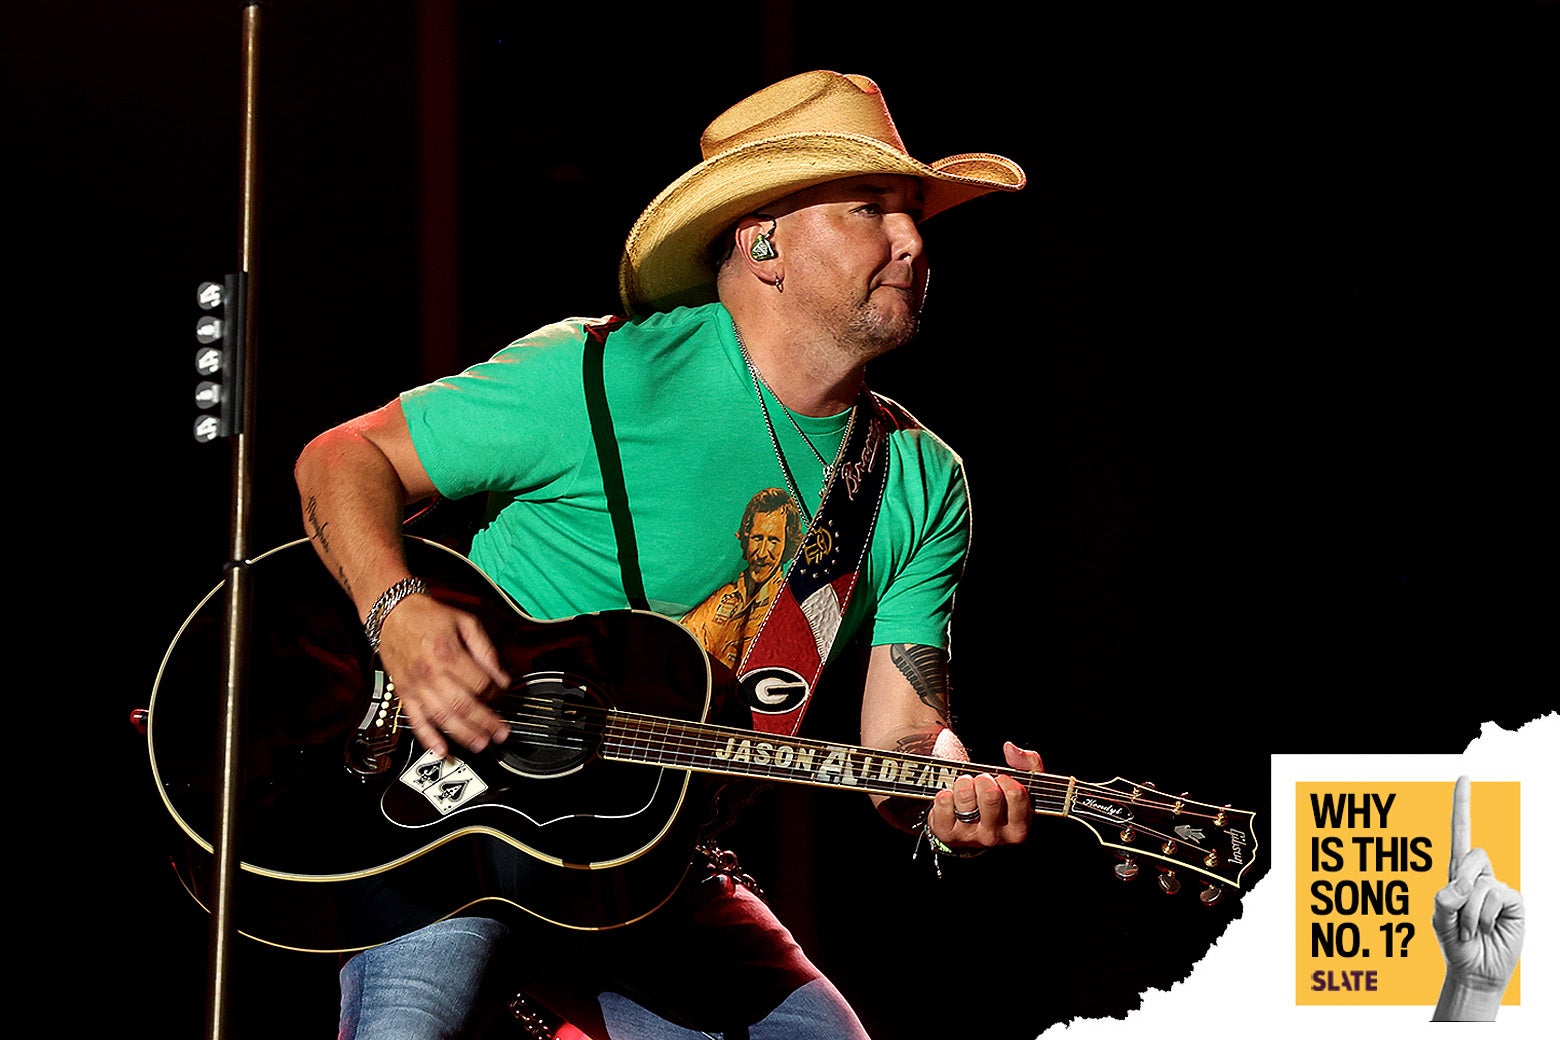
x=695 y=450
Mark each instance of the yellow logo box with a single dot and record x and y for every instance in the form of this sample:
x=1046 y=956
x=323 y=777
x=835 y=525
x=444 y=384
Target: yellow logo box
x=1369 y=859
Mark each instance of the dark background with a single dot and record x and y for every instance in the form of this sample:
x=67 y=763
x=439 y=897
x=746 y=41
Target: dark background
x=1249 y=381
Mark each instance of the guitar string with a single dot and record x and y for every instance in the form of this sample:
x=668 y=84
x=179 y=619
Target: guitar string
x=1036 y=786
x=700 y=739
x=699 y=747
x=697 y=743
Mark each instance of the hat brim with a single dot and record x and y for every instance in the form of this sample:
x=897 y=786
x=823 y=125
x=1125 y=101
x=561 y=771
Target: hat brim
x=666 y=262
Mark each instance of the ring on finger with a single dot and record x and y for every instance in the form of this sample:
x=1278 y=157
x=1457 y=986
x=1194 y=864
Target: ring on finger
x=967 y=815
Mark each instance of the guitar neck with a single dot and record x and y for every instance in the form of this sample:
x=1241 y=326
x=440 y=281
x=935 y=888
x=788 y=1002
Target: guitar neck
x=730 y=751
x=1135 y=819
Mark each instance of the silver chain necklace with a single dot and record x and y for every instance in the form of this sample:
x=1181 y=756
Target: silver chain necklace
x=759 y=385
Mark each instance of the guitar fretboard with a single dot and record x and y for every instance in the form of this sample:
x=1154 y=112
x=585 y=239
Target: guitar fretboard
x=649 y=740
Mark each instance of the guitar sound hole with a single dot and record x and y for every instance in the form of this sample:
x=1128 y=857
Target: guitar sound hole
x=555 y=725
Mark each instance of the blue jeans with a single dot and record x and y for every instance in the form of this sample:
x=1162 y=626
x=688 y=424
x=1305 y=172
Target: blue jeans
x=714 y=963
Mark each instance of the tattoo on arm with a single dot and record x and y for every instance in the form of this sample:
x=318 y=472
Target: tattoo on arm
x=927 y=669
x=317 y=534
x=316 y=525
x=916 y=744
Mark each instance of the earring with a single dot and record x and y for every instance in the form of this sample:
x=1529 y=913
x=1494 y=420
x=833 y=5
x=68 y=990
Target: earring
x=780 y=284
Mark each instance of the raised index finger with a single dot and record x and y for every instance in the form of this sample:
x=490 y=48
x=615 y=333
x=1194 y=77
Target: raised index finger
x=1462 y=826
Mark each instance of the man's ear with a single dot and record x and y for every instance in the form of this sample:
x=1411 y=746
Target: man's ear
x=755 y=239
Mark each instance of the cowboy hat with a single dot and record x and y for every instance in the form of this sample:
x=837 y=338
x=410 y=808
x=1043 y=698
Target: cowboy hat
x=797 y=133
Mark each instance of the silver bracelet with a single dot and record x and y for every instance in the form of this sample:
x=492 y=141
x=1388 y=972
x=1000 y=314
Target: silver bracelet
x=386 y=603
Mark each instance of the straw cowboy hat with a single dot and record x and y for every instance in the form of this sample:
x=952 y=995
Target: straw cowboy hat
x=799 y=132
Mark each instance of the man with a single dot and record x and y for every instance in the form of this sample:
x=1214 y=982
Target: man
x=757 y=287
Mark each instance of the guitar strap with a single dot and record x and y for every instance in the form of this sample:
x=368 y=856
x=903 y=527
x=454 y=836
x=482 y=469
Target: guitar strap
x=780 y=669
x=782 y=663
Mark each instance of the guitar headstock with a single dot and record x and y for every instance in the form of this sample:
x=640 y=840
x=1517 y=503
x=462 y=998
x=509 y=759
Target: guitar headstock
x=1216 y=843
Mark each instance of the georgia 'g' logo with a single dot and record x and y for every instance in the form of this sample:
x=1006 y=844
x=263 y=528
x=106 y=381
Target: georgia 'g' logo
x=772 y=691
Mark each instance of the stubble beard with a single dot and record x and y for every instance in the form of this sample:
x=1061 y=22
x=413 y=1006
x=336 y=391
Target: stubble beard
x=873 y=332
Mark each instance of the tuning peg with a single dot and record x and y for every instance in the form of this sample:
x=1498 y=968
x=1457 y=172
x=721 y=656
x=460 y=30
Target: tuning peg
x=1211 y=894
x=1127 y=869
x=1169 y=883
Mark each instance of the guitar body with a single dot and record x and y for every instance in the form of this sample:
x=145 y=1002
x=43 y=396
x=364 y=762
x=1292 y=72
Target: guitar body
x=349 y=834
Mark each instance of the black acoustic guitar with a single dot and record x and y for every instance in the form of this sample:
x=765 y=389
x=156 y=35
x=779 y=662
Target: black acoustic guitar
x=586 y=817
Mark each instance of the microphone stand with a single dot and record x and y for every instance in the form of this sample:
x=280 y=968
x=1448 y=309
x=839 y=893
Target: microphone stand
x=238 y=407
